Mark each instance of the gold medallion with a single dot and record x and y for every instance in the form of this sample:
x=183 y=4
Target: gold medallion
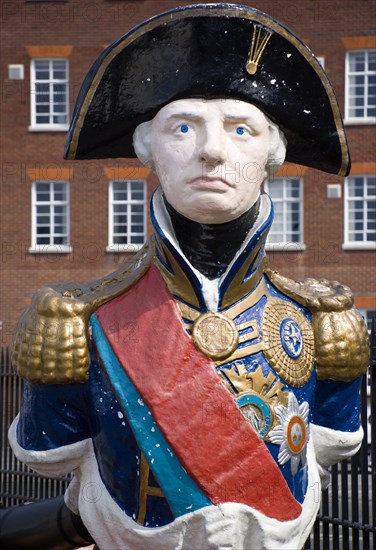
x=215 y=335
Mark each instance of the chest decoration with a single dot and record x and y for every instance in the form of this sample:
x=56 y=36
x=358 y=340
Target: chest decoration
x=292 y=432
x=258 y=396
x=273 y=412
x=215 y=335
x=288 y=341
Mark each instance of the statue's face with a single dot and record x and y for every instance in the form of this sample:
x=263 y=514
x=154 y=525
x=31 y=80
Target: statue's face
x=210 y=156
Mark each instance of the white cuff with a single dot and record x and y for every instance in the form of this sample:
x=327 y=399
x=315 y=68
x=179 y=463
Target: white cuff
x=332 y=446
x=51 y=462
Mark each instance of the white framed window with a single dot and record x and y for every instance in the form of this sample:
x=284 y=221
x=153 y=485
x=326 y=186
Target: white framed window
x=49 y=99
x=360 y=212
x=50 y=217
x=360 y=93
x=127 y=215
x=286 y=232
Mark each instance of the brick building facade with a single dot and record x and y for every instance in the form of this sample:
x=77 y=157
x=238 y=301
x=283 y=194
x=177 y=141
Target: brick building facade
x=50 y=45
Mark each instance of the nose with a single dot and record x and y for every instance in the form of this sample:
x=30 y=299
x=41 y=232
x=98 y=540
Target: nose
x=212 y=150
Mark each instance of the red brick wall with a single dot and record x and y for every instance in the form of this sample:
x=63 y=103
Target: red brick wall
x=88 y=27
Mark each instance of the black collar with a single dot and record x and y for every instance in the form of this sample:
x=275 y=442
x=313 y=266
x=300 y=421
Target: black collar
x=211 y=247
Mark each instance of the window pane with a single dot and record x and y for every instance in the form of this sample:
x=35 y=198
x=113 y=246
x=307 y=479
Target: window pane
x=136 y=195
x=119 y=185
x=43 y=197
x=59 y=197
x=120 y=219
x=357 y=61
x=61 y=119
x=42 y=90
x=59 y=240
x=43 y=209
x=42 y=109
x=137 y=185
x=59 y=69
x=137 y=228
x=276 y=190
x=120 y=195
x=43 y=219
x=43 y=230
x=42 y=119
x=120 y=229
x=292 y=191
x=41 y=64
x=120 y=240
x=59 y=103
x=42 y=74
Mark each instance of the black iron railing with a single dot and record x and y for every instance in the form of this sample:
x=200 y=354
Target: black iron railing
x=347 y=517
x=18 y=484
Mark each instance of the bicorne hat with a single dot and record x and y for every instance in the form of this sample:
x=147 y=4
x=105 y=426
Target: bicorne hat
x=209 y=51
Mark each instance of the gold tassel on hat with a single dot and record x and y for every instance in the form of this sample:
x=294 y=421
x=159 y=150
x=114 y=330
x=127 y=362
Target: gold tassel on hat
x=260 y=39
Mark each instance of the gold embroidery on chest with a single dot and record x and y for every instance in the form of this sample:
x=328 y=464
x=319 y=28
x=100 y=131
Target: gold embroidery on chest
x=288 y=341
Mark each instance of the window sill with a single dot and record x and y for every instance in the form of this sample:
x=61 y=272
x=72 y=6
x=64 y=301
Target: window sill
x=285 y=247
x=48 y=128
x=360 y=122
x=123 y=248
x=50 y=249
x=359 y=246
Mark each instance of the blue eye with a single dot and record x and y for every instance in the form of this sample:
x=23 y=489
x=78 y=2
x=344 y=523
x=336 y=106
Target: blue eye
x=240 y=131
x=184 y=128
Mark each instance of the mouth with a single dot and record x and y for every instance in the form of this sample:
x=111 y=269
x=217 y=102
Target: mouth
x=210 y=183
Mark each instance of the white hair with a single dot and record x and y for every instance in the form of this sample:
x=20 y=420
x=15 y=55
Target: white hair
x=142 y=144
x=277 y=148
x=276 y=153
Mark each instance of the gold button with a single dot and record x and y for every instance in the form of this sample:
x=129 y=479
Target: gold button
x=215 y=335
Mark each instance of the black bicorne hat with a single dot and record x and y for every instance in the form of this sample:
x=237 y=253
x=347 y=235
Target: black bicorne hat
x=209 y=51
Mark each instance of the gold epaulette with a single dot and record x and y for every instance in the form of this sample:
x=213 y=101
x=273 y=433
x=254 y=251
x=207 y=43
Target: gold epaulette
x=51 y=341
x=342 y=348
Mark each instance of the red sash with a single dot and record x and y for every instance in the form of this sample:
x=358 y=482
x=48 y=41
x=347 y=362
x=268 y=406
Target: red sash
x=198 y=416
